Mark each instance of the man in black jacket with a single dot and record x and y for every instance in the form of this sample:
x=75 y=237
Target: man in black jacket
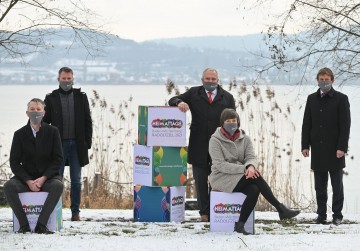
x=206 y=102
x=326 y=129
x=68 y=109
x=35 y=159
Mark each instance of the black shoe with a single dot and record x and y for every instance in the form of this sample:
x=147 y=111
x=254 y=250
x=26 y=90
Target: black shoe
x=239 y=227
x=286 y=213
x=41 y=229
x=24 y=229
x=320 y=220
x=336 y=221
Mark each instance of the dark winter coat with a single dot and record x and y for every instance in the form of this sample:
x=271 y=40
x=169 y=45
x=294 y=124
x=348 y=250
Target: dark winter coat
x=83 y=123
x=205 y=120
x=326 y=129
x=31 y=158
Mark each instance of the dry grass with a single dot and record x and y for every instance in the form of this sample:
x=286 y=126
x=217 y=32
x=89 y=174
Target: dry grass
x=115 y=133
x=100 y=199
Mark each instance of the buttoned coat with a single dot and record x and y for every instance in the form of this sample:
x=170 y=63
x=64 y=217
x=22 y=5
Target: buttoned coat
x=326 y=129
x=205 y=120
x=31 y=158
x=83 y=122
x=229 y=160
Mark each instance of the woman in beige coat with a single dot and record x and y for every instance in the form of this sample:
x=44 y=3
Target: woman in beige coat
x=234 y=169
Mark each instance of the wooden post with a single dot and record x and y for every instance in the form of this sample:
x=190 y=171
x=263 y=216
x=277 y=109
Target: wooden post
x=97 y=180
x=86 y=193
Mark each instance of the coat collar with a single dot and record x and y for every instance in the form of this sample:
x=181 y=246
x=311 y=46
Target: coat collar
x=329 y=93
x=29 y=131
x=219 y=135
x=219 y=95
x=74 y=90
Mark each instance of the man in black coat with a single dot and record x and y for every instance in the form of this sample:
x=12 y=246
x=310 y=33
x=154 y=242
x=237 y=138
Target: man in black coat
x=326 y=129
x=35 y=159
x=206 y=102
x=68 y=109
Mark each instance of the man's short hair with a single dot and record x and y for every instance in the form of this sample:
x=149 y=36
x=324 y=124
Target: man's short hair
x=229 y=113
x=210 y=69
x=36 y=100
x=325 y=71
x=65 y=69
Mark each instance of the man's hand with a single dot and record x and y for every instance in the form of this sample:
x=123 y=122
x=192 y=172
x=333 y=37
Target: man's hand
x=339 y=154
x=183 y=106
x=305 y=152
x=32 y=185
x=39 y=182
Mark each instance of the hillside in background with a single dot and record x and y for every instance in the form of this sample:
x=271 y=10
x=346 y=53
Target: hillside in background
x=152 y=62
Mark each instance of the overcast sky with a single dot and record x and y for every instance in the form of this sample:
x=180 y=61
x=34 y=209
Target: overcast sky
x=149 y=19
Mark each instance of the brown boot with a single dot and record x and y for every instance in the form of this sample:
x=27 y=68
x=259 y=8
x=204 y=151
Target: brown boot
x=75 y=217
x=204 y=218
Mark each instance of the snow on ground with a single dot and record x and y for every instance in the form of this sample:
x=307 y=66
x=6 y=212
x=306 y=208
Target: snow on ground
x=114 y=230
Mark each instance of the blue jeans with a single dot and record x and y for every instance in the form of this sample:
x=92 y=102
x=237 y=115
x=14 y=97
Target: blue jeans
x=70 y=155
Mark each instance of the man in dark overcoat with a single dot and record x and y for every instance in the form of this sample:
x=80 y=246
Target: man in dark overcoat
x=68 y=109
x=206 y=102
x=325 y=131
x=35 y=159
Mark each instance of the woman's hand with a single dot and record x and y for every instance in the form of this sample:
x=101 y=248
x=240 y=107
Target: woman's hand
x=251 y=172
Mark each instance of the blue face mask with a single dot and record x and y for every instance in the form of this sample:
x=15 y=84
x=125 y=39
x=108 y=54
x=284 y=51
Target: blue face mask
x=210 y=86
x=324 y=86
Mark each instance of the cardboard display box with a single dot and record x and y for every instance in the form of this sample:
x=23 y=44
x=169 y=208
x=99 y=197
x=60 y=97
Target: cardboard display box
x=160 y=166
x=161 y=126
x=225 y=209
x=159 y=204
x=33 y=203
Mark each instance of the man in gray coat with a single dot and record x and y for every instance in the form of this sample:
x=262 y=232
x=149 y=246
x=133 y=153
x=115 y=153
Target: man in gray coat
x=326 y=129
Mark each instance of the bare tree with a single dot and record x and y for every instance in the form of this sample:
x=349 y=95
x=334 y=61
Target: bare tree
x=313 y=33
x=26 y=24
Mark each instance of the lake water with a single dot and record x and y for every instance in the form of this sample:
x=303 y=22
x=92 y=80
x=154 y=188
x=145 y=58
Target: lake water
x=13 y=100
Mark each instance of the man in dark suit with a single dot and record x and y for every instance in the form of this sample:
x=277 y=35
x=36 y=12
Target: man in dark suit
x=206 y=102
x=68 y=109
x=326 y=129
x=35 y=159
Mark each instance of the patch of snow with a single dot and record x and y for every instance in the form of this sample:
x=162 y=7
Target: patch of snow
x=114 y=230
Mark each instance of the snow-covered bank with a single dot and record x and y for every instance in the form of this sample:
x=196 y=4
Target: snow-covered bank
x=114 y=230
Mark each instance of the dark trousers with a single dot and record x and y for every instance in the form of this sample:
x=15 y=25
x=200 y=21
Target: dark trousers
x=201 y=174
x=14 y=186
x=252 y=188
x=71 y=155
x=321 y=183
